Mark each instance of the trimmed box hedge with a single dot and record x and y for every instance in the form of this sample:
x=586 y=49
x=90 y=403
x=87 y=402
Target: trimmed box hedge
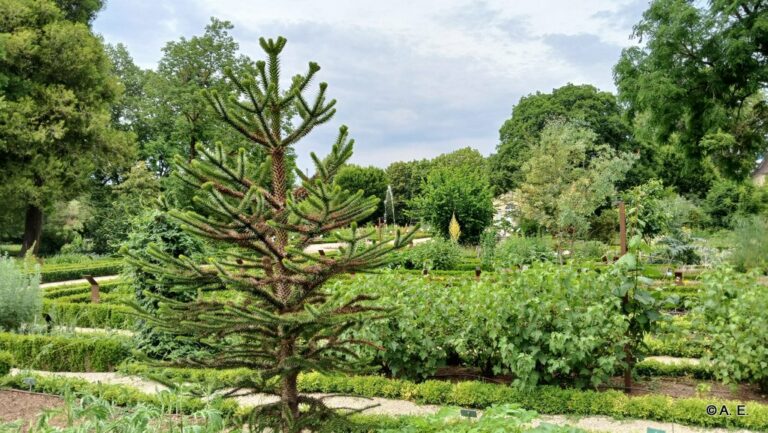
x=543 y=399
x=75 y=271
x=113 y=316
x=66 y=353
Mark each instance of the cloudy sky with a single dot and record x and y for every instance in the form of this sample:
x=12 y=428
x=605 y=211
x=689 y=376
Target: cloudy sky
x=413 y=78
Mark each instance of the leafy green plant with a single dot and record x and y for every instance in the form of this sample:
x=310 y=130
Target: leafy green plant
x=507 y=418
x=6 y=362
x=435 y=254
x=733 y=314
x=20 y=294
x=89 y=413
x=547 y=324
x=517 y=251
x=750 y=244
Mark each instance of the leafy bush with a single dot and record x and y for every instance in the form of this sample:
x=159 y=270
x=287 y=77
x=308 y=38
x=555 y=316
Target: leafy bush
x=589 y=250
x=517 y=251
x=548 y=324
x=65 y=353
x=728 y=199
x=20 y=295
x=750 y=244
x=460 y=189
x=733 y=313
x=6 y=362
x=437 y=254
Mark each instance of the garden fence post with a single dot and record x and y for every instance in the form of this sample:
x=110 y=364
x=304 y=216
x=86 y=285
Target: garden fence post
x=94 y=288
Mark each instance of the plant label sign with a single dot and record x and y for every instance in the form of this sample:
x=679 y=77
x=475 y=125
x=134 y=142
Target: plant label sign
x=655 y=430
x=469 y=413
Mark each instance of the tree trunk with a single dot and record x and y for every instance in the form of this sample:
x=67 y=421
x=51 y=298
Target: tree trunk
x=33 y=230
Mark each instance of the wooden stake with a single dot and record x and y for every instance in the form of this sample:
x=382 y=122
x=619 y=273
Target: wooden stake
x=95 y=295
x=625 y=298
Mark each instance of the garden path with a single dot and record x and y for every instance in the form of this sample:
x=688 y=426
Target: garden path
x=384 y=406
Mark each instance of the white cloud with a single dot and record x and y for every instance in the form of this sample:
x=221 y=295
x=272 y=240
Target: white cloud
x=413 y=78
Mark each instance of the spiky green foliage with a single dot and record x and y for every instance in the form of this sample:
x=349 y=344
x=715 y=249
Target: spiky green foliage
x=282 y=321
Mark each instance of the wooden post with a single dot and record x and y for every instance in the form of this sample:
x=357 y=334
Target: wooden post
x=622 y=229
x=94 y=288
x=679 y=278
x=478 y=271
x=321 y=252
x=625 y=298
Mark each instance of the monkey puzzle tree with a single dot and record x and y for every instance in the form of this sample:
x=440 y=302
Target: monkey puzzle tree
x=282 y=321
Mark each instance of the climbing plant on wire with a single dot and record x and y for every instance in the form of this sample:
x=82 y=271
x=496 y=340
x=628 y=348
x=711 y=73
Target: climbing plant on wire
x=282 y=320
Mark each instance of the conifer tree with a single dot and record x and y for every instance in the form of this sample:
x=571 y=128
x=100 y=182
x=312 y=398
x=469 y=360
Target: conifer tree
x=282 y=321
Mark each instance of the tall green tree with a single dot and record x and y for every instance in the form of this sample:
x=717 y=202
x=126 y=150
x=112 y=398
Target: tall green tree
x=567 y=178
x=371 y=180
x=55 y=128
x=457 y=184
x=584 y=105
x=181 y=117
x=694 y=88
x=406 y=179
x=283 y=321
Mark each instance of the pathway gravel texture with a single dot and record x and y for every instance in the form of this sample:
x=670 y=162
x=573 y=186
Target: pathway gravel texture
x=383 y=406
x=80 y=281
x=673 y=360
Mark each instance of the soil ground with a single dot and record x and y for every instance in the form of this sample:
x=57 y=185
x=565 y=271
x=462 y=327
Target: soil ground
x=24 y=407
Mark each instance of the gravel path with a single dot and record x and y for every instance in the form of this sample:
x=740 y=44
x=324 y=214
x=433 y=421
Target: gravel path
x=673 y=360
x=103 y=331
x=383 y=406
x=80 y=281
x=604 y=424
x=335 y=245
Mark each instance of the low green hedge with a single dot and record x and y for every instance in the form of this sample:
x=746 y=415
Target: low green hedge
x=90 y=315
x=6 y=362
x=656 y=368
x=85 y=298
x=66 y=353
x=673 y=345
x=544 y=399
x=75 y=271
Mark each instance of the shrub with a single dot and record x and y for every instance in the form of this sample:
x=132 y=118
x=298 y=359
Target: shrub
x=728 y=199
x=437 y=254
x=65 y=353
x=548 y=324
x=90 y=315
x=6 y=362
x=732 y=311
x=750 y=244
x=20 y=295
x=589 y=250
x=457 y=187
x=518 y=251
